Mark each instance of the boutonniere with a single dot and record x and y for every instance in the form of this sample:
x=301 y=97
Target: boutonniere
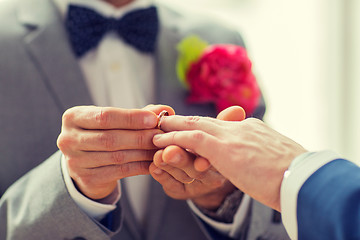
x=219 y=74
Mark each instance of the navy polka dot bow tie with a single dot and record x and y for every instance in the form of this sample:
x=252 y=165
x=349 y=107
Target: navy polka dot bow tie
x=86 y=27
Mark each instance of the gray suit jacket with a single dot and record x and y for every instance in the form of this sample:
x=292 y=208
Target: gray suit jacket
x=39 y=80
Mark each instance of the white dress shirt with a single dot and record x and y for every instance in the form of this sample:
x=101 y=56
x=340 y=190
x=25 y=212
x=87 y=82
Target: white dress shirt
x=301 y=168
x=114 y=79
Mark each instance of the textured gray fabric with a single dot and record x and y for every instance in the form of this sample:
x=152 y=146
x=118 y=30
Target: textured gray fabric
x=39 y=80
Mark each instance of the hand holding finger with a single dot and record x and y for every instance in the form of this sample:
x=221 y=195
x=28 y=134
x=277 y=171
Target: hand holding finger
x=178 y=163
x=173 y=168
x=102 y=145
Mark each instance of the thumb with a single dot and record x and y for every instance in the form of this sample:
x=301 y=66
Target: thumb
x=234 y=113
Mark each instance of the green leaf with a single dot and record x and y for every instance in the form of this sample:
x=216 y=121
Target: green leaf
x=190 y=50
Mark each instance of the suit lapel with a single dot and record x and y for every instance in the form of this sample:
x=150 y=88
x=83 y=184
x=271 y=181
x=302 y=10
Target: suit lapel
x=155 y=210
x=129 y=217
x=48 y=45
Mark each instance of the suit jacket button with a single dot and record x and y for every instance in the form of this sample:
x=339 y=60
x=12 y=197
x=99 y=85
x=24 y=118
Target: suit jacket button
x=276 y=217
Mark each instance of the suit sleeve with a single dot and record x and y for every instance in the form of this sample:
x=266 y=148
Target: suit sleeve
x=329 y=203
x=320 y=197
x=38 y=206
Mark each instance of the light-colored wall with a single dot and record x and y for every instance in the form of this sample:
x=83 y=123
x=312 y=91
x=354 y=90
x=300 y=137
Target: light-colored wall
x=352 y=80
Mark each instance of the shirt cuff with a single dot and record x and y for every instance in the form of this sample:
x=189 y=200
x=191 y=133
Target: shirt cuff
x=229 y=229
x=301 y=168
x=97 y=210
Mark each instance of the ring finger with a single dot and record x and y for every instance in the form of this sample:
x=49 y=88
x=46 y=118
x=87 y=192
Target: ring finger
x=177 y=173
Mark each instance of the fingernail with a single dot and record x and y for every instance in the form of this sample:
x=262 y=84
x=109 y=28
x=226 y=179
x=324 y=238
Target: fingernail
x=158 y=171
x=150 y=121
x=157 y=137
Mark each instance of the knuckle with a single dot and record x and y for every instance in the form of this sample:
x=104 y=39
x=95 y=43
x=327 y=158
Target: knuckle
x=144 y=167
x=68 y=116
x=102 y=117
x=129 y=119
x=64 y=142
x=132 y=169
x=124 y=169
x=198 y=135
x=118 y=157
x=83 y=139
x=255 y=120
x=141 y=139
x=251 y=123
x=192 y=120
x=60 y=142
x=107 y=140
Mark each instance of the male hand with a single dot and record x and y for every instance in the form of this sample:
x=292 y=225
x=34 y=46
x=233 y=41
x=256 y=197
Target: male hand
x=250 y=154
x=183 y=175
x=104 y=144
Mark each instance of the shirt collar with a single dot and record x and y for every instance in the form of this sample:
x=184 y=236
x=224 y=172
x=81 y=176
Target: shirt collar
x=102 y=7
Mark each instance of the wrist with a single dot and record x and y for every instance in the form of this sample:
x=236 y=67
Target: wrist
x=226 y=211
x=99 y=194
x=212 y=201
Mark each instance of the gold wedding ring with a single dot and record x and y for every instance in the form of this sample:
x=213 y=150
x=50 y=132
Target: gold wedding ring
x=160 y=116
x=190 y=181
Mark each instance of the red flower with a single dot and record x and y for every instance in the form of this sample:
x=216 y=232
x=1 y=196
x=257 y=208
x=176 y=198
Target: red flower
x=223 y=76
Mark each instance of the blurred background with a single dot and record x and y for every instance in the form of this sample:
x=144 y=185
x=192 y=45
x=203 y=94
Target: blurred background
x=306 y=55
